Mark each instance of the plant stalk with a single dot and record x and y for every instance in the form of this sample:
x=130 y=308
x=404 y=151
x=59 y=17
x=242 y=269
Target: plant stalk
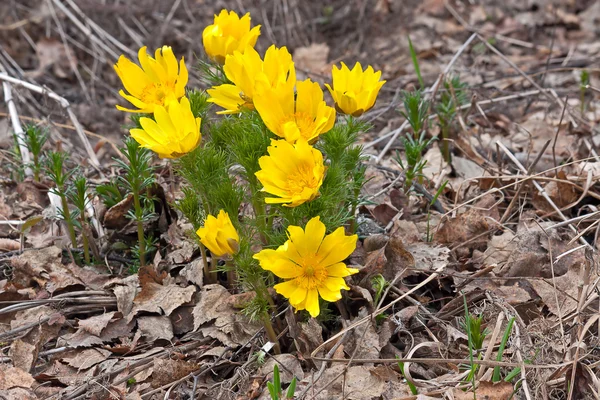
x=205 y=265
x=67 y=216
x=84 y=238
x=140 y=227
x=271 y=333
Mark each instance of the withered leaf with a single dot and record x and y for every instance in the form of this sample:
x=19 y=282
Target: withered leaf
x=160 y=299
x=11 y=377
x=87 y=358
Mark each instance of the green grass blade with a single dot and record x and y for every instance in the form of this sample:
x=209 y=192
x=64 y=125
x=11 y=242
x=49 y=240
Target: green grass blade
x=413 y=56
x=496 y=375
x=291 y=389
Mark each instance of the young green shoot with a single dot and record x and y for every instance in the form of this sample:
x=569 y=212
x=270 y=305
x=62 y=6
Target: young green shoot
x=413 y=151
x=138 y=177
x=583 y=85
x=411 y=385
x=56 y=171
x=79 y=198
x=35 y=138
x=379 y=284
x=275 y=389
x=431 y=203
x=452 y=97
x=496 y=374
x=468 y=326
x=415 y=61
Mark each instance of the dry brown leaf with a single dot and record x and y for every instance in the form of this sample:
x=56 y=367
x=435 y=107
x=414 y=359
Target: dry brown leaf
x=364 y=343
x=116 y=216
x=11 y=377
x=561 y=193
x=87 y=358
x=65 y=374
x=9 y=244
x=312 y=59
x=160 y=299
x=228 y=326
x=126 y=293
x=167 y=371
x=53 y=53
x=18 y=394
x=23 y=354
x=97 y=323
x=472 y=228
x=194 y=272
x=487 y=391
x=182 y=320
x=384 y=213
x=361 y=383
x=45 y=268
x=82 y=338
x=155 y=327
x=566 y=291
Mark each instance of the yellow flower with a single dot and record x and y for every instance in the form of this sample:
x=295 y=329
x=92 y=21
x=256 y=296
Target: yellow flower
x=294 y=173
x=304 y=116
x=158 y=81
x=227 y=34
x=218 y=235
x=246 y=71
x=311 y=263
x=172 y=133
x=354 y=91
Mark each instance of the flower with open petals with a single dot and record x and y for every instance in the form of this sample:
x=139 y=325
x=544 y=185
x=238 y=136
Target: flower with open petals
x=218 y=235
x=354 y=91
x=227 y=34
x=293 y=172
x=158 y=81
x=246 y=71
x=300 y=116
x=311 y=264
x=172 y=133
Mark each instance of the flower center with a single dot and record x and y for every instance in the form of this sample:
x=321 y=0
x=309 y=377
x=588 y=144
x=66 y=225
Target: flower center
x=155 y=93
x=301 y=179
x=303 y=122
x=313 y=275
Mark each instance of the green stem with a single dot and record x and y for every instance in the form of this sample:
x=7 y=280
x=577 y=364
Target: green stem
x=231 y=274
x=271 y=332
x=259 y=212
x=445 y=145
x=67 y=216
x=86 y=249
x=140 y=227
x=205 y=266
x=36 y=168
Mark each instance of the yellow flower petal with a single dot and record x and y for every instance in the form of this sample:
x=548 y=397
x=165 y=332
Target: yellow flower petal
x=302 y=116
x=227 y=34
x=299 y=262
x=294 y=173
x=172 y=133
x=354 y=91
x=158 y=81
x=217 y=234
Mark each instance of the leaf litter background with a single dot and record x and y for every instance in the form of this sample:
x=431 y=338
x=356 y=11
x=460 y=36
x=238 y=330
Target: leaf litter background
x=508 y=232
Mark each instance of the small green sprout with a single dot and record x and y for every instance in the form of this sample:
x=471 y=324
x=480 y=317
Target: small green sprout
x=275 y=387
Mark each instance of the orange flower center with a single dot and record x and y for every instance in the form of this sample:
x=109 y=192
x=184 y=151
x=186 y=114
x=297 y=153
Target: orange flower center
x=155 y=93
x=301 y=122
x=313 y=275
x=303 y=178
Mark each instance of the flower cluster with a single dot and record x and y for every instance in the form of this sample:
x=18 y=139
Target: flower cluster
x=157 y=87
x=290 y=169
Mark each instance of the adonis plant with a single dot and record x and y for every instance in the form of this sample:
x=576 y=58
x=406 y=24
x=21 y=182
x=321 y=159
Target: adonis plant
x=271 y=173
